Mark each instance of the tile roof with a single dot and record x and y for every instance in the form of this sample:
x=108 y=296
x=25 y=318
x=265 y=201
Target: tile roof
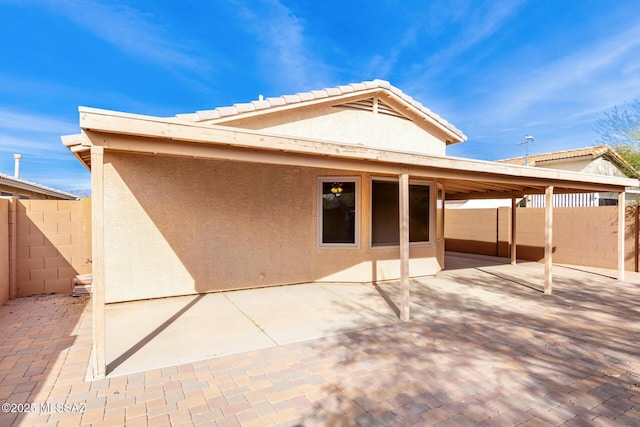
x=593 y=152
x=267 y=103
x=36 y=188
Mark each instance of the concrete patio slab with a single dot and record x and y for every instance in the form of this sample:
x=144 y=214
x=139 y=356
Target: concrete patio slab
x=302 y=312
x=152 y=334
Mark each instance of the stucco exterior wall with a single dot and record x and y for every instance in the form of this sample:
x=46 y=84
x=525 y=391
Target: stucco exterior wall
x=599 y=166
x=4 y=251
x=177 y=226
x=348 y=126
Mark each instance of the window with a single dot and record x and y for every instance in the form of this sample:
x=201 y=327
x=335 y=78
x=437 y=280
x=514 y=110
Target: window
x=385 y=215
x=338 y=221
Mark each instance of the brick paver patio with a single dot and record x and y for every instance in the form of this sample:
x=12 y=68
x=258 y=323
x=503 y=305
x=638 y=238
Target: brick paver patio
x=484 y=347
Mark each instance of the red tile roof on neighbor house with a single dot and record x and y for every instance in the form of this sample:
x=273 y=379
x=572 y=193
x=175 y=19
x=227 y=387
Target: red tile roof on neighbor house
x=592 y=152
x=314 y=95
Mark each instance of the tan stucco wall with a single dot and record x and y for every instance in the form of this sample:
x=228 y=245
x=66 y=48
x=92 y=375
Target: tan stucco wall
x=54 y=244
x=4 y=251
x=599 y=166
x=176 y=226
x=348 y=126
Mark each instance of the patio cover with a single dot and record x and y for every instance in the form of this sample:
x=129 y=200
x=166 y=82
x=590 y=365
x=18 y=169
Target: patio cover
x=462 y=178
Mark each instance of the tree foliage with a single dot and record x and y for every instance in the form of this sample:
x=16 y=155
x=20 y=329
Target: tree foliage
x=620 y=128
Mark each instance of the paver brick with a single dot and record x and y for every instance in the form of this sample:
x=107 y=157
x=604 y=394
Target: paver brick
x=469 y=360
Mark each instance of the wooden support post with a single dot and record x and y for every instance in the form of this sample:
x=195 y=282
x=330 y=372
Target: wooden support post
x=13 y=247
x=404 y=246
x=548 y=240
x=621 y=234
x=98 y=290
x=513 y=231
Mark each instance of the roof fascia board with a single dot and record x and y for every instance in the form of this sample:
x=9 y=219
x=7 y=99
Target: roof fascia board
x=170 y=130
x=77 y=144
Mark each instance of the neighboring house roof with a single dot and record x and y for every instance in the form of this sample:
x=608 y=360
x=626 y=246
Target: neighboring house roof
x=593 y=153
x=22 y=184
x=356 y=92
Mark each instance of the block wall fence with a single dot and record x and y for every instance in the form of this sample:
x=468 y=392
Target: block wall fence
x=4 y=251
x=582 y=236
x=44 y=244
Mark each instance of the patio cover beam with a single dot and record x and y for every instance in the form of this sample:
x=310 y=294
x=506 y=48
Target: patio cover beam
x=621 y=234
x=455 y=172
x=548 y=240
x=513 y=231
x=404 y=246
x=99 y=364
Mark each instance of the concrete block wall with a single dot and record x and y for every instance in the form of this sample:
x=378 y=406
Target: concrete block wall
x=581 y=236
x=471 y=230
x=53 y=244
x=4 y=251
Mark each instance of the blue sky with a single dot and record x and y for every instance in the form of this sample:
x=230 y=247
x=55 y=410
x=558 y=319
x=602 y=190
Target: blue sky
x=496 y=69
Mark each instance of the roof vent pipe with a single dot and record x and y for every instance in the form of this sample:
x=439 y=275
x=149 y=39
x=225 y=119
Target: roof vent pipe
x=16 y=172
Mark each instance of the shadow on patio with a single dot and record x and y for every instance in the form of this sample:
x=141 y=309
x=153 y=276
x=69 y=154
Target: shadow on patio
x=486 y=346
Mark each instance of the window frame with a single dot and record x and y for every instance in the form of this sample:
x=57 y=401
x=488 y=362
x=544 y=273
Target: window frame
x=413 y=181
x=356 y=179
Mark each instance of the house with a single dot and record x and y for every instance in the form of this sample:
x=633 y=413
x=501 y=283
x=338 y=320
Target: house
x=600 y=160
x=339 y=184
x=14 y=186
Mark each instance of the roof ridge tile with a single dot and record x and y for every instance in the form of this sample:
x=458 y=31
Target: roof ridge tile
x=261 y=104
x=319 y=93
x=291 y=99
x=305 y=96
x=276 y=101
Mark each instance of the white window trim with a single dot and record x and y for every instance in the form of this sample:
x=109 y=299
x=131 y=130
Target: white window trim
x=342 y=178
x=432 y=196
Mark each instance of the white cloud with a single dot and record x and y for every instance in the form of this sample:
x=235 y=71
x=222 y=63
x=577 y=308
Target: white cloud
x=591 y=75
x=476 y=24
x=130 y=30
x=22 y=122
x=287 y=60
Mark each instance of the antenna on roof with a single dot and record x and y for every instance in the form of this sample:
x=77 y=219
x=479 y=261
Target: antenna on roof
x=527 y=140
